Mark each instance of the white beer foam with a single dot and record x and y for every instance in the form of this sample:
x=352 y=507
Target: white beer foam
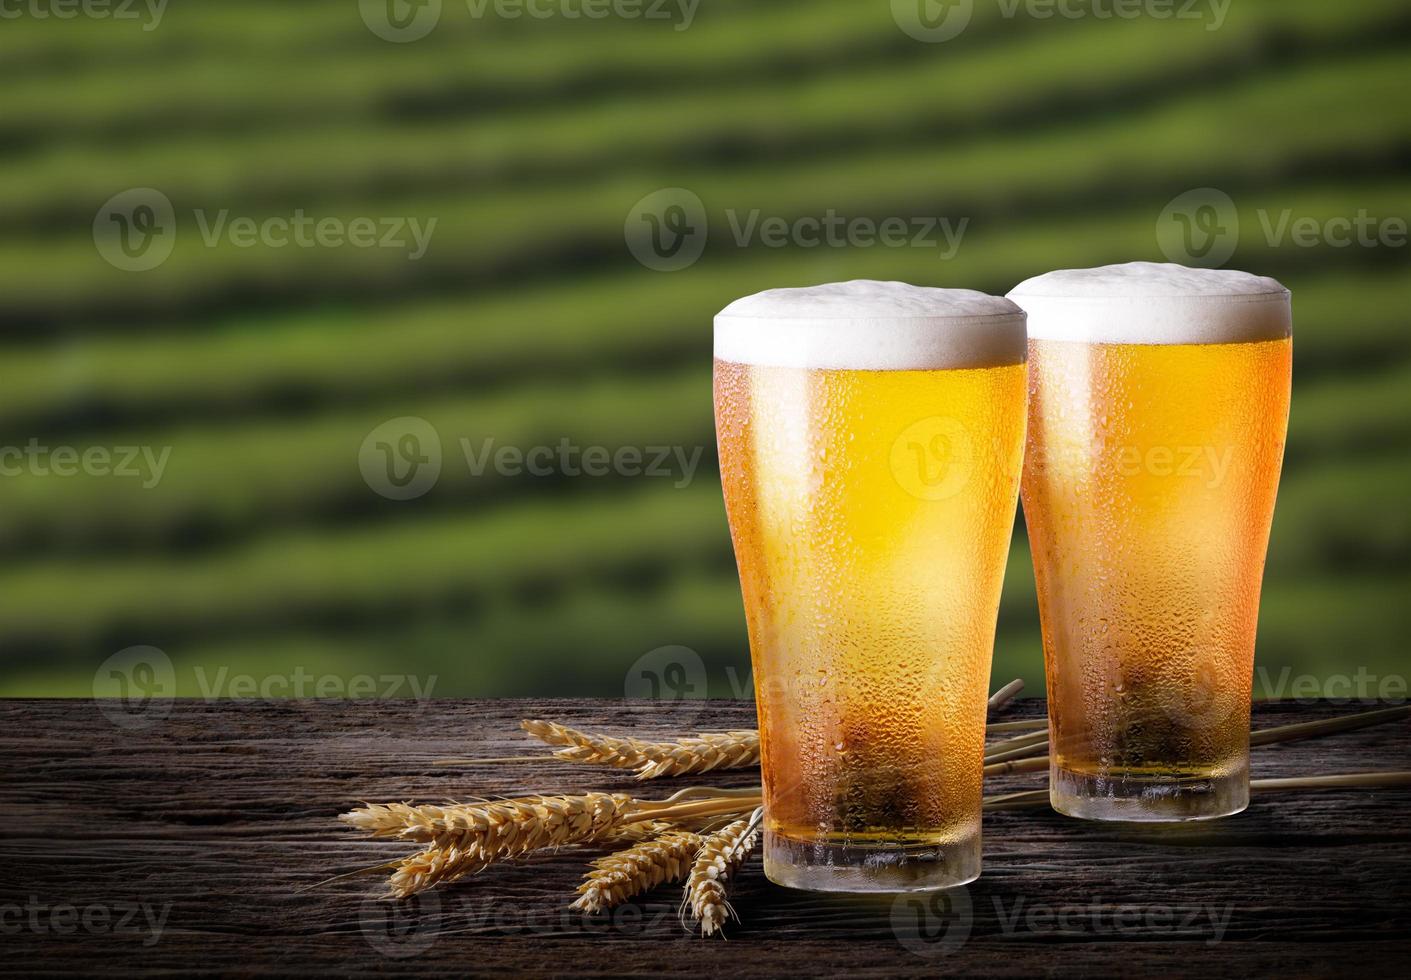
x=1154 y=303
x=866 y=325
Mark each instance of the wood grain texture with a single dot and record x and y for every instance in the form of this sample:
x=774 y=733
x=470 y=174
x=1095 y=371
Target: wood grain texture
x=210 y=819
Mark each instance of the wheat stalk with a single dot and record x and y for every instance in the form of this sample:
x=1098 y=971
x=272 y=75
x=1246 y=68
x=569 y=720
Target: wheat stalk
x=720 y=855
x=692 y=754
x=1001 y=698
x=640 y=868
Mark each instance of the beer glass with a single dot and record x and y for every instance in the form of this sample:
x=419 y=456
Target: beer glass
x=871 y=437
x=1158 y=405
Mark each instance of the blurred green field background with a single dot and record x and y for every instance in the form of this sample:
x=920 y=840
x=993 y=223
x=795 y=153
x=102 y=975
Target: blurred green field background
x=263 y=550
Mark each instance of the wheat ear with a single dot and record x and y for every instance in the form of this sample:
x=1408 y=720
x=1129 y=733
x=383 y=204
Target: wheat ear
x=465 y=838
x=640 y=868
x=720 y=855
x=692 y=754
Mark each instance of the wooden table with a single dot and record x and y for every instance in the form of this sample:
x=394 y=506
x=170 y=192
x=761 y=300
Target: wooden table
x=184 y=845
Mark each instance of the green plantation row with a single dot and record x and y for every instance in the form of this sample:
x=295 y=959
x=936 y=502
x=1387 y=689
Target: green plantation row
x=341 y=69
x=230 y=480
x=334 y=67
x=564 y=645
x=1202 y=138
x=223 y=478
x=218 y=481
x=629 y=321
x=325 y=27
x=70 y=279
x=591 y=638
x=367 y=156
x=356 y=576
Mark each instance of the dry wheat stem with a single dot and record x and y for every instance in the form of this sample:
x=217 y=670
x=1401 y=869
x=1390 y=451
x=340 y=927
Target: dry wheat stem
x=720 y=855
x=701 y=808
x=692 y=754
x=638 y=869
x=1022 y=725
x=1007 y=763
x=1018 y=742
x=1024 y=752
x=1329 y=726
x=1015 y=766
x=1001 y=698
x=1355 y=780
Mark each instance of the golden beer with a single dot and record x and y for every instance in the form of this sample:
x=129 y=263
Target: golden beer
x=871 y=488
x=1149 y=483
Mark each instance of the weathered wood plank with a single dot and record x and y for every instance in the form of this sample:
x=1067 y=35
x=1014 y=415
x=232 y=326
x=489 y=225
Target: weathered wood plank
x=196 y=833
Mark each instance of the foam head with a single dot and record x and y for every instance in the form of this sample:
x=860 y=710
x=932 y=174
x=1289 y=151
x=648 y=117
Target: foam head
x=871 y=326
x=1154 y=303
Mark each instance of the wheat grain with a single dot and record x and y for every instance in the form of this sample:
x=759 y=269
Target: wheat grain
x=692 y=754
x=720 y=855
x=640 y=868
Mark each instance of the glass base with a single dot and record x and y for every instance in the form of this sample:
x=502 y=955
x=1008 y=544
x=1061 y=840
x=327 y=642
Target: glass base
x=893 y=867
x=1145 y=798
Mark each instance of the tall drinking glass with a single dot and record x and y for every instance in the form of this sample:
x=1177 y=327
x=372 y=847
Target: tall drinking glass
x=870 y=441
x=1158 y=406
